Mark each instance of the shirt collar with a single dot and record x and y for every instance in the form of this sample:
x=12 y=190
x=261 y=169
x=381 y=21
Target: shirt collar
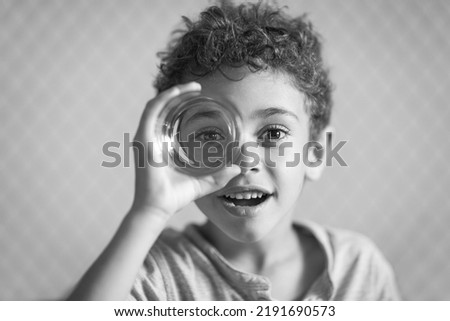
x=322 y=288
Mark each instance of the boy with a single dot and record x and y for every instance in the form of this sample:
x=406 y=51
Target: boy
x=269 y=67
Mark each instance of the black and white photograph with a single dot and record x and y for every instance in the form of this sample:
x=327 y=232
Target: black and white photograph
x=229 y=150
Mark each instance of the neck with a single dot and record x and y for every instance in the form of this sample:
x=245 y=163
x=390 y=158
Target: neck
x=277 y=246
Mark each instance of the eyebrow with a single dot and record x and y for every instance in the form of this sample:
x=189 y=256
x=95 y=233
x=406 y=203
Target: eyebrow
x=264 y=113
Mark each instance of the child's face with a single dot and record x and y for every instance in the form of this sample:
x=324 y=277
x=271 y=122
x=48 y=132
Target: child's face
x=271 y=107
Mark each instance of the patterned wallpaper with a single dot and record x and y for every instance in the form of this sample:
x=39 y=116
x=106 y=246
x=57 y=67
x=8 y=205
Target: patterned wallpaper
x=76 y=74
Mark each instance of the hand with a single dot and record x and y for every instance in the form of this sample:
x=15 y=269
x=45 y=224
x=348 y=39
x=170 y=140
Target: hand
x=165 y=190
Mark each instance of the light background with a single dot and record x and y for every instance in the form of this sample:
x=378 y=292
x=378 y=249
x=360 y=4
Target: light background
x=76 y=74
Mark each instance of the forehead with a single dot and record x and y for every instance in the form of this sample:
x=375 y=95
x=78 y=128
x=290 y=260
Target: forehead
x=252 y=91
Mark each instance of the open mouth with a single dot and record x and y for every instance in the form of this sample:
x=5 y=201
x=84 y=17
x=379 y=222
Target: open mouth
x=248 y=198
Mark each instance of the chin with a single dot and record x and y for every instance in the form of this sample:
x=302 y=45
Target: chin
x=246 y=232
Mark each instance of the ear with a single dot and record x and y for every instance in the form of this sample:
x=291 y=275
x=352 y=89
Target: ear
x=317 y=157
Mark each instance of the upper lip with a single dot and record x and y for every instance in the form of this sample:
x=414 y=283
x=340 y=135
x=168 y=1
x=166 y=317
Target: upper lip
x=243 y=189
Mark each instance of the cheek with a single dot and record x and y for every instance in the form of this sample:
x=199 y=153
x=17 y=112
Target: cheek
x=204 y=202
x=287 y=167
x=207 y=207
x=286 y=155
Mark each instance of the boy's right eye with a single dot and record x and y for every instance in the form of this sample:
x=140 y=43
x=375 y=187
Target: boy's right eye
x=209 y=134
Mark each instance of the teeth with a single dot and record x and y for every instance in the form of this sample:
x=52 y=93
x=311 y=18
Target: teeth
x=245 y=195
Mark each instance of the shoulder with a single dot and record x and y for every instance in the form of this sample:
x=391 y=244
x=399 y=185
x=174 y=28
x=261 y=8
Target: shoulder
x=343 y=244
x=347 y=245
x=357 y=268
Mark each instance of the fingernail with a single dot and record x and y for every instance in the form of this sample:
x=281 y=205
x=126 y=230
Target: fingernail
x=196 y=84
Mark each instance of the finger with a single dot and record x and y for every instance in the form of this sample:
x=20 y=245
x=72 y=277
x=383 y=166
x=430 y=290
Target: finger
x=156 y=105
x=213 y=183
x=147 y=124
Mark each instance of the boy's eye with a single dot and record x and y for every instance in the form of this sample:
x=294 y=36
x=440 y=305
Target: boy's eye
x=274 y=134
x=209 y=135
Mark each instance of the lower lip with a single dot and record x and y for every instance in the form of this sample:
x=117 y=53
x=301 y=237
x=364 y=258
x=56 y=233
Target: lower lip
x=244 y=211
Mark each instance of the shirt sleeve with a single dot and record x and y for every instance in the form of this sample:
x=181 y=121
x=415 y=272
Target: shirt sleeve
x=360 y=271
x=384 y=281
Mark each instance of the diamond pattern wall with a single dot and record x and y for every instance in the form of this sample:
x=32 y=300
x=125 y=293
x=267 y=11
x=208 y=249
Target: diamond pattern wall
x=76 y=74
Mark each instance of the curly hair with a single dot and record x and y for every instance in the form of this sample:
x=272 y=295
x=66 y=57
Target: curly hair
x=260 y=36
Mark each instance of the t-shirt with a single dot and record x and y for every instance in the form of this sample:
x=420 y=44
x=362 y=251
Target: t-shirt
x=185 y=266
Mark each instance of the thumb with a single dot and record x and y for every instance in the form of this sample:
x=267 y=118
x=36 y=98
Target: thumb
x=222 y=177
x=216 y=181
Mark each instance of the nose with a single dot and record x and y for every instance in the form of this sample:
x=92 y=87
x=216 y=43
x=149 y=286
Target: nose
x=248 y=157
